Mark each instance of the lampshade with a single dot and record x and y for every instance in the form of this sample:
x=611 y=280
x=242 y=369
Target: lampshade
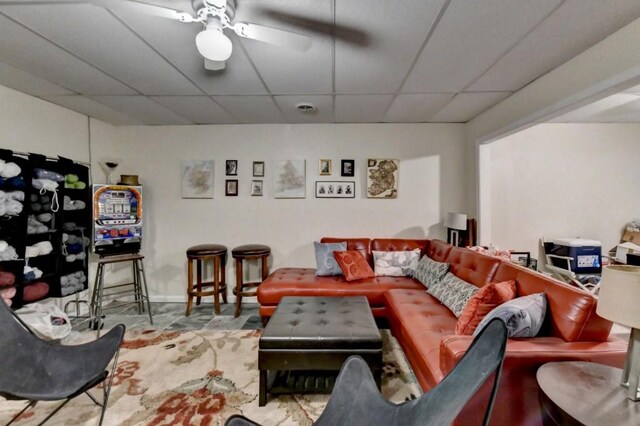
x=213 y=44
x=456 y=221
x=619 y=296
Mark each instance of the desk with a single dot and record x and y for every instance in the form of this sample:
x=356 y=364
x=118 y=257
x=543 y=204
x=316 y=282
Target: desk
x=576 y=392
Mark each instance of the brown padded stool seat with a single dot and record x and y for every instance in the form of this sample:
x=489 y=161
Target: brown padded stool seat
x=217 y=254
x=247 y=252
x=206 y=250
x=251 y=250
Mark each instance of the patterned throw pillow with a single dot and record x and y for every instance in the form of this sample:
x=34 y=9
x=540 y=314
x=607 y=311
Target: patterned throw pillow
x=353 y=264
x=326 y=264
x=453 y=292
x=523 y=316
x=429 y=271
x=483 y=302
x=395 y=263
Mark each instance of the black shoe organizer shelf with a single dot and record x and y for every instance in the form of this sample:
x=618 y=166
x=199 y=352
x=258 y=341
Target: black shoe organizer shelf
x=44 y=241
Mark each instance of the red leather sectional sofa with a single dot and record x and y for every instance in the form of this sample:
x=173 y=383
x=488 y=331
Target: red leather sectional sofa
x=425 y=328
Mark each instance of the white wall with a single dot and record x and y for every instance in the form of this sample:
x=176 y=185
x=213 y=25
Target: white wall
x=33 y=125
x=432 y=181
x=564 y=180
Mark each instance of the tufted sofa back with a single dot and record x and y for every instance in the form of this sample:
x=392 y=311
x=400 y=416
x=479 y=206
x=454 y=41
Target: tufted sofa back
x=472 y=267
x=397 y=244
x=363 y=245
x=571 y=311
x=438 y=250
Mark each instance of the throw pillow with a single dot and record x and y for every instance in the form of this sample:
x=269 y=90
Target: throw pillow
x=353 y=264
x=453 y=292
x=523 y=316
x=483 y=302
x=429 y=271
x=326 y=264
x=395 y=263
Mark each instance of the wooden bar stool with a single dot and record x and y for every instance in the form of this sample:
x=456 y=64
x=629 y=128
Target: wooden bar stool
x=202 y=253
x=240 y=253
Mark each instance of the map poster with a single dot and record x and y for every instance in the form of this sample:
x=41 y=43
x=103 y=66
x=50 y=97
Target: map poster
x=382 y=178
x=197 y=179
x=290 y=179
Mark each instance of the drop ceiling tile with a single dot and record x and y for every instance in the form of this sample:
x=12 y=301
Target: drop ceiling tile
x=416 y=108
x=465 y=106
x=176 y=42
x=23 y=49
x=469 y=38
x=285 y=70
x=143 y=109
x=251 y=109
x=93 y=109
x=571 y=29
x=94 y=35
x=323 y=108
x=28 y=83
x=361 y=108
x=375 y=50
x=200 y=109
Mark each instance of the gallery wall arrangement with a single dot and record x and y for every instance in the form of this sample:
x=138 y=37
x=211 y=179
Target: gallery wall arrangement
x=290 y=180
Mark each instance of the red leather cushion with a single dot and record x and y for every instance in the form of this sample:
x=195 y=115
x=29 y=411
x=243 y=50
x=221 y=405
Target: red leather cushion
x=438 y=250
x=353 y=264
x=472 y=267
x=363 y=245
x=397 y=244
x=481 y=303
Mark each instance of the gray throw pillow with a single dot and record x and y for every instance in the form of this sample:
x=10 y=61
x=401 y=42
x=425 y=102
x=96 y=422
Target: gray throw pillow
x=429 y=271
x=453 y=292
x=326 y=264
x=395 y=263
x=523 y=315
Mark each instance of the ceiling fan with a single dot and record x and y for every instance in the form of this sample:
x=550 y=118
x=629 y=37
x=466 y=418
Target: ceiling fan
x=215 y=16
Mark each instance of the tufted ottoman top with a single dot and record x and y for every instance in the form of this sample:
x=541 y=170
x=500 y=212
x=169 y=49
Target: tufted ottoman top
x=322 y=323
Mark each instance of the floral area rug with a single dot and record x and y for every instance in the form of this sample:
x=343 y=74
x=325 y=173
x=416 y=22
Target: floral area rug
x=200 y=377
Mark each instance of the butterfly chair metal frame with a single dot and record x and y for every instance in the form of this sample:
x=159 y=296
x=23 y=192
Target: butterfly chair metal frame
x=35 y=370
x=356 y=400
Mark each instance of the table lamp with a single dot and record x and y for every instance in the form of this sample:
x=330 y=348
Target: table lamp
x=455 y=222
x=619 y=301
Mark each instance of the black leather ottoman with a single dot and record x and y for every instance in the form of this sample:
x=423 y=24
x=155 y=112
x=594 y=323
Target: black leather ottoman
x=308 y=339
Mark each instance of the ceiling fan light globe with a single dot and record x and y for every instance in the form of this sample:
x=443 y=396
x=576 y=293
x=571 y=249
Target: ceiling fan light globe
x=214 y=45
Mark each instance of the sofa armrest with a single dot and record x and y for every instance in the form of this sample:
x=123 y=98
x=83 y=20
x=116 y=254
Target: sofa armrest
x=538 y=351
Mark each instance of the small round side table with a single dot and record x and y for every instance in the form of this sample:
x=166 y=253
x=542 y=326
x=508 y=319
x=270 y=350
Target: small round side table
x=217 y=254
x=246 y=252
x=585 y=393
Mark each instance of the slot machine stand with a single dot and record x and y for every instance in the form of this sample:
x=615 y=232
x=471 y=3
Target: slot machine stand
x=137 y=288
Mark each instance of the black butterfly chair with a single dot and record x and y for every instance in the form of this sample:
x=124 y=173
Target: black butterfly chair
x=355 y=399
x=36 y=370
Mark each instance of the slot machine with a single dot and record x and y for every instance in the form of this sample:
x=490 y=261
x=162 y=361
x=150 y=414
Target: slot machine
x=117 y=219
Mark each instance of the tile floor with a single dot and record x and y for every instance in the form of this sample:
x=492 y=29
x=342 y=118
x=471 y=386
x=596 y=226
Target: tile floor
x=170 y=316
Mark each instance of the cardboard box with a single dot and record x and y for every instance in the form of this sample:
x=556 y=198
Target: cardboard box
x=631 y=237
x=625 y=248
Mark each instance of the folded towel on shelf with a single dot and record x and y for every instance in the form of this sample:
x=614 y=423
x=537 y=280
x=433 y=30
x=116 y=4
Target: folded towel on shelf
x=9 y=169
x=72 y=283
x=14 y=182
x=48 y=174
x=12 y=195
x=44 y=217
x=35 y=291
x=7 y=252
x=70 y=204
x=39 y=249
x=9 y=207
x=7 y=279
x=34 y=226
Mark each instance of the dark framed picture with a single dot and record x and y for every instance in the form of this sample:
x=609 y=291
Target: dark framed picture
x=232 y=168
x=231 y=187
x=256 y=188
x=335 y=189
x=522 y=258
x=347 y=168
x=258 y=169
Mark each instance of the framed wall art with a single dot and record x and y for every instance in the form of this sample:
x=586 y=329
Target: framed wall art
x=258 y=169
x=256 y=188
x=335 y=189
x=382 y=178
x=347 y=168
x=290 y=179
x=231 y=187
x=231 y=168
x=197 y=179
x=324 y=167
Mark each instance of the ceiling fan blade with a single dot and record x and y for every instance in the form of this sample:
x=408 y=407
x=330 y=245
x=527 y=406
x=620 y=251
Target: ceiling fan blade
x=273 y=36
x=144 y=8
